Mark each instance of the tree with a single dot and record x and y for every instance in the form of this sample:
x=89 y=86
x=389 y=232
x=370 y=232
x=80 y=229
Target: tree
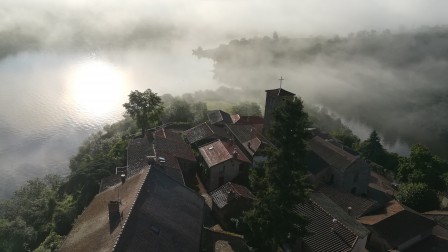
x=247 y=109
x=178 y=111
x=347 y=137
x=199 y=110
x=372 y=148
x=279 y=184
x=422 y=166
x=418 y=196
x=145 y=108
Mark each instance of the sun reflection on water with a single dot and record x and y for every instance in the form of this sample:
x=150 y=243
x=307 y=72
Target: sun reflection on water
x=97 y=87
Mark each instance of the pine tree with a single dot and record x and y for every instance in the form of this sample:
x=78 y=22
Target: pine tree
x=372 y=149
x=279 y=184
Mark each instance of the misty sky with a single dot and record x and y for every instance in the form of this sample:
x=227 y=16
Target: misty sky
x=40 y=24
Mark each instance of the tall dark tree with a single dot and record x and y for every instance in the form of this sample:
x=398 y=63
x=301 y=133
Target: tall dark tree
x=279 y=184
x=145 y=108
x=372 y=148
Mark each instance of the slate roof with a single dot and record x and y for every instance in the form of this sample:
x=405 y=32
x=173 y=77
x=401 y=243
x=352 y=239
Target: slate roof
x=219 y=151
x=138 y=150
x=398 y=223
x=359 y=205
x=315 y=164
x=220 y=195
x=325 y=235
x=91 y=231
x=159 y=214
x=219 y=116
x=166 y=217
x=250 y=138
x=331 y=154
x=279 y=92
x=203 y=131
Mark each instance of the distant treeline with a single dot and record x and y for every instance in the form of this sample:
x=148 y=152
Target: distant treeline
x=394 y=82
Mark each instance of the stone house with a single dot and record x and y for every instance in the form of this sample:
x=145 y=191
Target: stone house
x=222 y=162
x=332 y=165
x=396 y=228
x=229 y=201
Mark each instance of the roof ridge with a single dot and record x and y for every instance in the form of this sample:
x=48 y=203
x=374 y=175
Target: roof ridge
x=195 y=193
x=131 y=210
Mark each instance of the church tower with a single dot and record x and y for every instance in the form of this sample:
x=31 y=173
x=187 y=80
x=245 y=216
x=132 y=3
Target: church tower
x=273 y=100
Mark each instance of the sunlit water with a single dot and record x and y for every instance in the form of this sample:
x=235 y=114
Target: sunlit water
x=50 y=103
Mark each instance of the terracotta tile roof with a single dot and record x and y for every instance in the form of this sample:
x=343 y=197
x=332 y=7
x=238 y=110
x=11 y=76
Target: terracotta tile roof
x=235 y=118
x=171 y=142
x=329 y=229
x=167 y=134
x=166 y=217
x=221 y=198
x=381 y=183
x=255 y=121
x=397 y=223
x=170 y=147
x=220 y=151
x=91 y=231
x=249 y=137
x=218 y=116
x=359 y=205
x=203 y=131
x=279 y=92
x=331 y=154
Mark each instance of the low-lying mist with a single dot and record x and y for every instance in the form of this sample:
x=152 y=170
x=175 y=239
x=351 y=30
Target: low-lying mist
x=395 y=83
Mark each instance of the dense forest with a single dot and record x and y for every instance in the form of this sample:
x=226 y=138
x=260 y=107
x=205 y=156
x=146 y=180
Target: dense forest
x=394 y=82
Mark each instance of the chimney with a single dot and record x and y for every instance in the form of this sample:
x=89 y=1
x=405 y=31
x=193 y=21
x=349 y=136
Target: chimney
x=114 y=211
x=248 y=145
x=123 y=178
x=349 y=210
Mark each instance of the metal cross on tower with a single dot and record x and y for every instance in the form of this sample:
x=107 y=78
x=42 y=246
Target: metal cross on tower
x=281 y=80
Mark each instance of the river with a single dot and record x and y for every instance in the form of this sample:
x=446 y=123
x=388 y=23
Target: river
x=50 y=103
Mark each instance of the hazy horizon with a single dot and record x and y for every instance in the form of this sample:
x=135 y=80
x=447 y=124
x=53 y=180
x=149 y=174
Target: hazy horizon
x=55 y=54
